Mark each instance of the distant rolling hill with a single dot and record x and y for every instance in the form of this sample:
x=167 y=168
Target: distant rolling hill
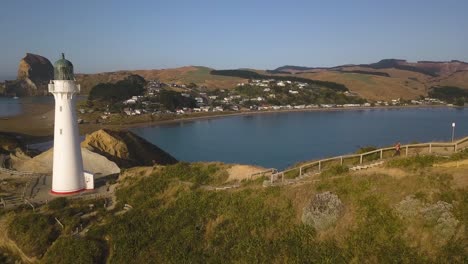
x=389 y=78
x=384 y=80
x=183 y=75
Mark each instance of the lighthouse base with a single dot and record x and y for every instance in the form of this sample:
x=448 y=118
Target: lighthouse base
x=67 y=192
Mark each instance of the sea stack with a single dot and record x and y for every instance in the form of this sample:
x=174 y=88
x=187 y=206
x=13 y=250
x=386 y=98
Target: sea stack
x=68 y=176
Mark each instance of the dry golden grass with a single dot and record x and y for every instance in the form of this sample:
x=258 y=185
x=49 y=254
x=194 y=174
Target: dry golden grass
x=371 y=86
x=457 y=79
x=183 y=75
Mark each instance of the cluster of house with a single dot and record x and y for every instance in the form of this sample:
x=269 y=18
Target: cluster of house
x=227 y=101
x=424 y=101
x=269 y=82
x=428 y=101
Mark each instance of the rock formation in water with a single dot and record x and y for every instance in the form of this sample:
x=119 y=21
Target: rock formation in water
x=34 y=73
x=36 y=68
x=126 y=149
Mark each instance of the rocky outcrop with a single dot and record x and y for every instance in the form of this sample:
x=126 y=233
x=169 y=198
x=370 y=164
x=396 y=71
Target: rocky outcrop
x=323 y=211
x=34 y=73
x=36 y=68
x=126 y=149
x=42 y=163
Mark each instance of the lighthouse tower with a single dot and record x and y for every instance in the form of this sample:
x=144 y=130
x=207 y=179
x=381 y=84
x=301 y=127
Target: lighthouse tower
x=68 y=175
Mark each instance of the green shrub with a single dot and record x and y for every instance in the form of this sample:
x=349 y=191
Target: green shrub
x=58 y=203
x=379 y=235
x=460 y=155
x=75 y=250
x=416 y=162
x=33 y=232
x=7 y=257
x=335 y=170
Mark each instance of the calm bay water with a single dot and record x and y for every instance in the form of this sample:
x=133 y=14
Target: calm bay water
x=9 y=107
x=280 y=140
x=12 y=107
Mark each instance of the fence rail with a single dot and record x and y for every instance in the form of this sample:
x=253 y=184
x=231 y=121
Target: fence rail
x=15 y=172
x=440 y=148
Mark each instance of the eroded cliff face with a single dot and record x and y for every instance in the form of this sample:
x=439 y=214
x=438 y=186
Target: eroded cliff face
x=34 y=73
x=126 y=149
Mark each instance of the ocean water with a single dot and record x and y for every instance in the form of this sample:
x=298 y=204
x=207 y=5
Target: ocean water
x=279 y=140
x=12 y=107
x=9 y=107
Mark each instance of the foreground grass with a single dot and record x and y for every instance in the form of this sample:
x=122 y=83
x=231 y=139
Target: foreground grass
x=174 y=220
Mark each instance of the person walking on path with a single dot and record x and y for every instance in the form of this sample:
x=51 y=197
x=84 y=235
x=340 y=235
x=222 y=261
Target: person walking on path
x=397 y=149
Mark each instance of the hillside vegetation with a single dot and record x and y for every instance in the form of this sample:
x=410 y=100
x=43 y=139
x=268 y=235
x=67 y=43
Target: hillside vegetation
x=121 y=90
x=184 y=75
x=254 y=75
x=406 y=212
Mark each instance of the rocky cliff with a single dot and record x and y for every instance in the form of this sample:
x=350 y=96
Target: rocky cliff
x=126 y=149
x=36 y=68
x=34 y=72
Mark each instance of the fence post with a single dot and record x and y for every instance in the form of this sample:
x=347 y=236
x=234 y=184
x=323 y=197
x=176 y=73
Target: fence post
x=320 y=165
x=300 y=171
x=407 y=150
x=26 y=201
x=381 y=153
x=60 y=223
x=360 y=159
x=455 y=147
x=282 y=177
x=430 y=147
x=341 y=160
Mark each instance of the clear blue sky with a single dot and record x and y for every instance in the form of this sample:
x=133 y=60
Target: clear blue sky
x=99 y=35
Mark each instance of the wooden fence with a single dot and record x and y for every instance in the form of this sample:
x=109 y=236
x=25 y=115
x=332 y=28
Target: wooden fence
x=14 y=172
x=438 y=148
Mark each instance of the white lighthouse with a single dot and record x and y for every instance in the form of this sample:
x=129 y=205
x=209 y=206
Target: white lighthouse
x=68 y=174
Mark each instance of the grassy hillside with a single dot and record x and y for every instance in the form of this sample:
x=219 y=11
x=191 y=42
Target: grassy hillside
x=384 y=80
x=372 y=87
x=184 y=75
x=249 y=74
x=407 y=212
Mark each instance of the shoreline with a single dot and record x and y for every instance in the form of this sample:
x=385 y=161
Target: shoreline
x=257 y=112
x=38 y=134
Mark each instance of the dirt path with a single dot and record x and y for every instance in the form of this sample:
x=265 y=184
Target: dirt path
x=9 y=244
x=241 y=172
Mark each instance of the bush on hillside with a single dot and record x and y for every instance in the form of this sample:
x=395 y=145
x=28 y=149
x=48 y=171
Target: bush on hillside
x=416 y=162
x=119 y=91
x=172 y=100
x=58 y=203
x=75 y=250
x=335 y=170
x=33 y=232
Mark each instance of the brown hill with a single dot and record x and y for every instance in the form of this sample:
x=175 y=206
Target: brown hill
x=183 y=75
x=126 y=149
x=389 y=79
